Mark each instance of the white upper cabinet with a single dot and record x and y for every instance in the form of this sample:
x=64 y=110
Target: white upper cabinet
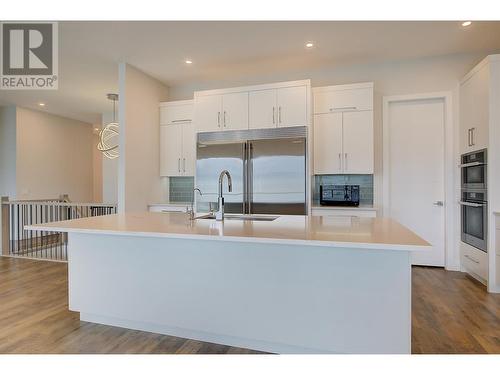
x=343 y=130
x=474 y=99
x=253 y=107
x=208 y=113
x=171 y=150
x=235 y=111
x=357 y=137
x=341 y=98
x=176 y=112
x=177 y=139
x=328 y=153
x=262 y=105
x=292 y=106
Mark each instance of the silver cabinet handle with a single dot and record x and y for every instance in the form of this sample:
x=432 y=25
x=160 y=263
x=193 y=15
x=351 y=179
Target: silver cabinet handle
x=340 y=161
x=473 y=143
x=470 y=204
x=439 y=203
x=224 y=119
x=184 y=120
x=184 y=164
x=273 y=115
x=179 y=164
x=279 y=114
x=218 y=119
x=345 y=157
x=341 y=108
x=470 y=258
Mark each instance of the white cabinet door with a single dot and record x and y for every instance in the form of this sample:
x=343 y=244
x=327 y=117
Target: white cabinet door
x=208 y=113
x=292 y=106
x=328 y=143
x=474 y=117
x=235 y=111
x=343 y=100
x=262 y=109
x=170 y=150
x=188 y=149
x=358 y=142
x=171 y=114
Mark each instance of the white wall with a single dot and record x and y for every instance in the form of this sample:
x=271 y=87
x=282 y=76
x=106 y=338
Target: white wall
x=390 y=78
x=8 y=151
x=54 y=156
x=139 y=180
x=109 y=171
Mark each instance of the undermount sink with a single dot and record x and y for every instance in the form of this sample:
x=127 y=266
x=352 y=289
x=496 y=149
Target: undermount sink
x=241 y=217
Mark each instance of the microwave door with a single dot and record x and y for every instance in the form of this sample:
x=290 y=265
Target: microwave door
x=211 y=160
x=277 y=176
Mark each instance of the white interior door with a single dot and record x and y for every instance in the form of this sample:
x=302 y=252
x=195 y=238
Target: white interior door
x=416 y=172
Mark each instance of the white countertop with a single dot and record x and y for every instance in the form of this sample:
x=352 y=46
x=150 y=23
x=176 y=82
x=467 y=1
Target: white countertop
x=346 y=232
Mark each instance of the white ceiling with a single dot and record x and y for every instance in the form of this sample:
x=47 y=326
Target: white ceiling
x=89 y=53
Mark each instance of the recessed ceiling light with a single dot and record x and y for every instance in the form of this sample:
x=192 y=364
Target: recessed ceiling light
x=466 y=23
x=188 y=61
x=41 y=104
x=309 y=45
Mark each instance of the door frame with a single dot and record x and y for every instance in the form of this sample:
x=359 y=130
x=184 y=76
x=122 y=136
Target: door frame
x=452 y=256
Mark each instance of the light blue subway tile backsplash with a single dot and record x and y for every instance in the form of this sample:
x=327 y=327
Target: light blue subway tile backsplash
x=181 y=189
x=365 y=182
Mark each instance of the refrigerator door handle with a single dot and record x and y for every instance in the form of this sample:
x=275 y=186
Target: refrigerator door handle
x=250 y=177
x=245 y=177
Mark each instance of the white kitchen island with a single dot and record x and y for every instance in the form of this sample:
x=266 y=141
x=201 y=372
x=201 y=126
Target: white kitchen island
x=293 y=285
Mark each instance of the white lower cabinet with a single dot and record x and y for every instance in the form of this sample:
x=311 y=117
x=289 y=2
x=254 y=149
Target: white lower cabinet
x=177 y=150
x=475 y=261
x=168 y=208
x=344 y=211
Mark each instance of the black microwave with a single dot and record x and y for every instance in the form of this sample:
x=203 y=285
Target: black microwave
x=474 y=169
x=339 y=195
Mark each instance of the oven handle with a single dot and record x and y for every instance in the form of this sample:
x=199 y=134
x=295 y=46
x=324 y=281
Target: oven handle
x=462 y=203
x=473 y=164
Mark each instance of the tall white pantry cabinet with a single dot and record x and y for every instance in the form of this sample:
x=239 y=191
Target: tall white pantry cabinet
x=177 y=139
x=343 y=129
x=480 y=129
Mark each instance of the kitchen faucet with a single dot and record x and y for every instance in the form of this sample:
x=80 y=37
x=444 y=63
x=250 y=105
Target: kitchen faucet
x=190 y=212
x=219 y=215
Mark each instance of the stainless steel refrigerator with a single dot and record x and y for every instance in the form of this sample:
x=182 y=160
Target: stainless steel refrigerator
x=267 y=166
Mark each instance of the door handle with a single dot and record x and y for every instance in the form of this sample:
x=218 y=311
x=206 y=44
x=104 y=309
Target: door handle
x=341 y=108
x=273 y=115
x=340 y=161
x=218 y=119
x=179 y=164
x=224 y=119
x=345 y=159
x=279 y=114
x=184 y=164
x=472 y=136
x=439 y=203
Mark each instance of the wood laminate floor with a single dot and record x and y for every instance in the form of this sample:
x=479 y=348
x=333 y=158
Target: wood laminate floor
x=452 y=313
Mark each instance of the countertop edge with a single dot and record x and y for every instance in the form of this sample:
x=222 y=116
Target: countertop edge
x=264 y=240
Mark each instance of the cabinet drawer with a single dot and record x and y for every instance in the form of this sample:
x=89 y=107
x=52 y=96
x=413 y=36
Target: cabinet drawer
x=343 y=100
x=167 y=208
x=176 y=114
x=356 y=212
x=475 y=261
